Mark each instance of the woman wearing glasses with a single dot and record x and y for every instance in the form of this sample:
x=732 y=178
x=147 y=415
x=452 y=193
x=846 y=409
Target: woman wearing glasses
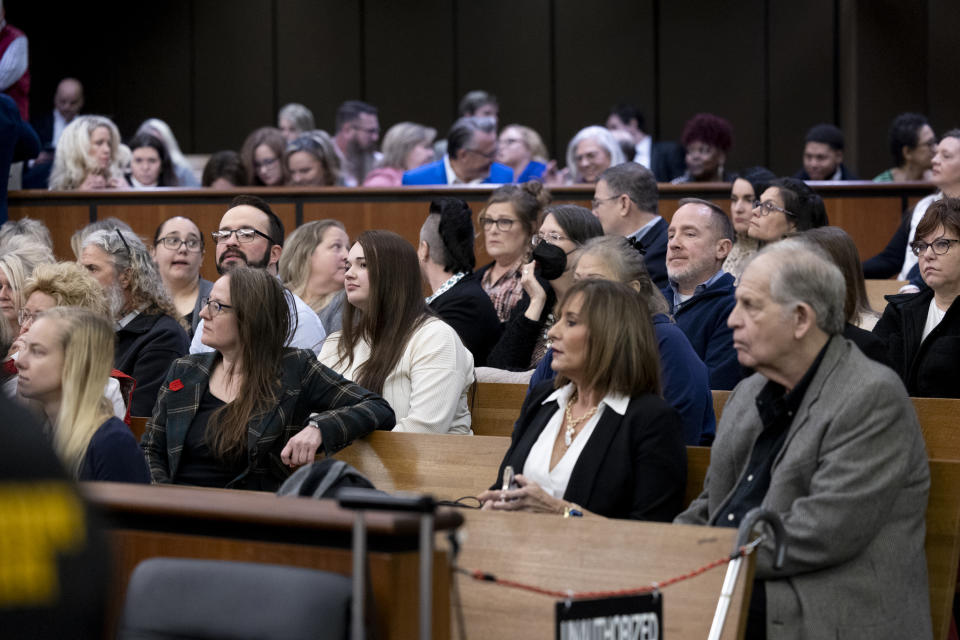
x=786 y=206
x=243 y=415
x=744 y=192
x=922 y=330
x=524 y=342
x=262 y=156
x=178 y=251
x=509 y=220
x=311 y=160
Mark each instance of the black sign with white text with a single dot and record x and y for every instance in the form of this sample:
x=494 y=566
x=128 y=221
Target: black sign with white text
x=624 y=618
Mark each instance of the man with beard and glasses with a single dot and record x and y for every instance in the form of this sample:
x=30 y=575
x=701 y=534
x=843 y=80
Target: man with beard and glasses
x=357 y=133
x=149 y=336
x=251 y=235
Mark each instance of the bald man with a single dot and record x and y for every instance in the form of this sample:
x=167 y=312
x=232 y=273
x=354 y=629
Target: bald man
x=67 y=103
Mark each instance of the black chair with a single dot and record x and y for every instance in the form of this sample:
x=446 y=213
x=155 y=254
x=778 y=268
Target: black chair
x=181 y=598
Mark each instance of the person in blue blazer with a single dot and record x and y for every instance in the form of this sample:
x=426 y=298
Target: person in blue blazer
x=471 y=149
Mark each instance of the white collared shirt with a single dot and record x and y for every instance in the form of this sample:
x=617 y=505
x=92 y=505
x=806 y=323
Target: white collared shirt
x=537 y=466
x=452 y=177
x=644 y=148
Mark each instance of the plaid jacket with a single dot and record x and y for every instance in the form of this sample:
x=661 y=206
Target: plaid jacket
x=347 y=411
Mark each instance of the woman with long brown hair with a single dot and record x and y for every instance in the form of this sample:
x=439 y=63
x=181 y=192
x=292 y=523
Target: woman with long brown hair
x=393 y=345
x=242 y=415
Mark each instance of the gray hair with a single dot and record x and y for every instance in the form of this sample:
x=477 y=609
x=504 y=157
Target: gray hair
x=401 y=139
x=27 y=228
x=801 y=273
x=636 y=181
x=603 y=137
x=628 y=266
x=21 y=257
x=129 y=253
x=108 y=224
x=461 y=133
x=718 y=217
x=299 y=115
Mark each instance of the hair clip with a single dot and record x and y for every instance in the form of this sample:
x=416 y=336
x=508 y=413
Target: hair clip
x=638 y=245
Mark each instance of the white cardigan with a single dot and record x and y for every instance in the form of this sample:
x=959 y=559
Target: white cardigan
x=428 y=388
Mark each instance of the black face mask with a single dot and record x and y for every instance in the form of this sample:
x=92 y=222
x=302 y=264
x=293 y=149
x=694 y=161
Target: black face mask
x=551 y=260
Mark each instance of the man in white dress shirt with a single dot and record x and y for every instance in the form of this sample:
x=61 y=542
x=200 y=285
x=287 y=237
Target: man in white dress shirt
x=251 y=234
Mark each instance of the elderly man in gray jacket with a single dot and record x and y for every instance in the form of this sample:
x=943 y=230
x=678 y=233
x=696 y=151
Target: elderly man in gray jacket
x=829 y=440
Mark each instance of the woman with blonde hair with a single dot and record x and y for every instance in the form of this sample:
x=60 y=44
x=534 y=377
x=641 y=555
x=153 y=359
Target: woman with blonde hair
x=312 y=266
x=16 y=267
x=64 y=366
x=522 y=149
x=406 y=146
x=88 y=156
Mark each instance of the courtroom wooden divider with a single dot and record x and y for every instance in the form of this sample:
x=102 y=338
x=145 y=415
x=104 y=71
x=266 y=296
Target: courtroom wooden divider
x=877 y=289
x=189 y=522
x=869 y=212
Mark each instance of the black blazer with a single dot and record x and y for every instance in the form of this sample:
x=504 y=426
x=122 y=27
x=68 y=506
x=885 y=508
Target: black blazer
x=655 y=258
x=668 y=160
x=634 y=466
x=467 y=308
x=145 y=349
x=928 y=368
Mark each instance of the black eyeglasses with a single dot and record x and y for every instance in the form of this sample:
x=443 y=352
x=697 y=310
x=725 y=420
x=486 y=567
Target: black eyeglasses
x=940 y=246
x=243 y=235
x=767 y=207
x=214 y=307
x=174 y=243
x=503 y=224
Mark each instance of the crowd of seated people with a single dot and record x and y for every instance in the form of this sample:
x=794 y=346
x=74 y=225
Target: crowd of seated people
x=620 y=321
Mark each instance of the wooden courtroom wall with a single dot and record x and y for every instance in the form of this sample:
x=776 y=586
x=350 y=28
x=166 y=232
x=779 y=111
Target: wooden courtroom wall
x=216 y=70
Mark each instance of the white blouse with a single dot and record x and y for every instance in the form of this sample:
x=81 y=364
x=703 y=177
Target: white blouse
x=428 y=388
x=537 y=465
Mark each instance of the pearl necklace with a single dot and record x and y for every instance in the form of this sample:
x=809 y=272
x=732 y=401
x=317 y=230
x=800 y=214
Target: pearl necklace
x=572 y=423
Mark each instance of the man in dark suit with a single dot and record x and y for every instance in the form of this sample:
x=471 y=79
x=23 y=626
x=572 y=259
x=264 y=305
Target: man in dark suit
x=67 y=102
x=447 y=261
x=625 y=201
x=17 y=142
x=665 y=159
x=471 y=148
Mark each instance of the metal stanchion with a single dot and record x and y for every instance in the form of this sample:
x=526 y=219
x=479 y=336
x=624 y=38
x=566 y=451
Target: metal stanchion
x=362 y=500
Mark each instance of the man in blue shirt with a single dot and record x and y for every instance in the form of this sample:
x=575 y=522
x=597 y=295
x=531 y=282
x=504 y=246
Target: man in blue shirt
x=700 y=293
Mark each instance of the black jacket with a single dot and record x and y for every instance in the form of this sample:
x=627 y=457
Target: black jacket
x=655 y=258
x=145 y=349
x=668 y=160
x=634 y=466
x=930 y=369
x=467 y=308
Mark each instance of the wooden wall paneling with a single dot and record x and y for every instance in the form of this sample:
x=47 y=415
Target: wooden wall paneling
x=604 y=54
x=884 y=74
x=409 y=62
x=711 y=60
x=233 y=52
x=800 y=80
x=319 y=49
x=503 y=46
x=154 y=69
x=943 y=64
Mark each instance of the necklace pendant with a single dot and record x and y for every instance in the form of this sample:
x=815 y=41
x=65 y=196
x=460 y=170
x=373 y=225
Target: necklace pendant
x=568 y=436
